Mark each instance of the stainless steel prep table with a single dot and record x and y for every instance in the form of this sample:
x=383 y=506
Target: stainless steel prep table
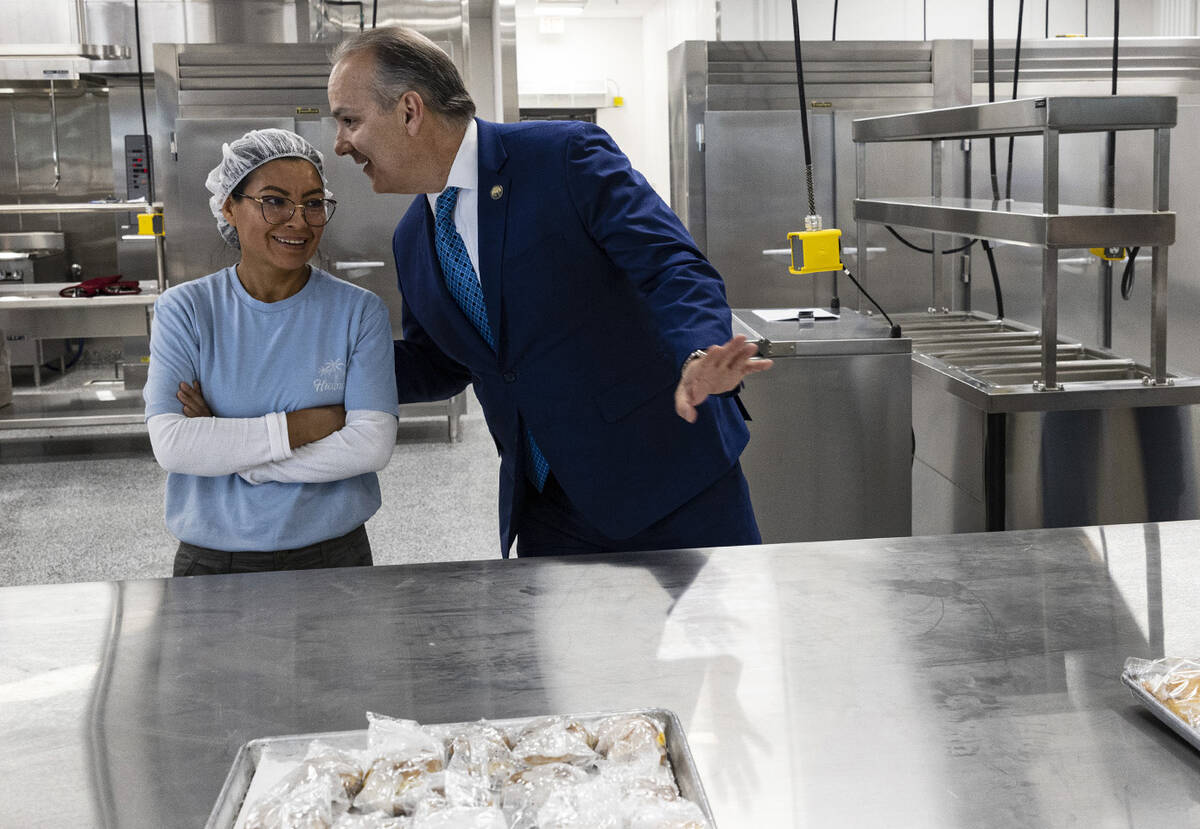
x=968 y=680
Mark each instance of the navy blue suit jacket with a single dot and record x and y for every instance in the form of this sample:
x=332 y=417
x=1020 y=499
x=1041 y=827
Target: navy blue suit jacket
x=597 y=294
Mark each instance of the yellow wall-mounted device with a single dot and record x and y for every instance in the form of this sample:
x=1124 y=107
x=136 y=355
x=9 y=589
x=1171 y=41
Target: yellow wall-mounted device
x=1108 y=254
x=150 y=224
x=816 y=251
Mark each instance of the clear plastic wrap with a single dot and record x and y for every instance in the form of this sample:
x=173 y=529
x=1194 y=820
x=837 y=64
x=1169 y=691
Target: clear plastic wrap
x=593 y=772
x=406 y=768
x=1173 y=681
x=640 y=779
x=555 y=740
x=592 y=804
x=631 y=738
x=372 y=820
x=463 y=817
x=663 y=814
x=527 y=791
x=480 y=761
x=313 y=794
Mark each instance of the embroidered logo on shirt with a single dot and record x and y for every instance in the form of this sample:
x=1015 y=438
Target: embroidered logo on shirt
x=331 y=376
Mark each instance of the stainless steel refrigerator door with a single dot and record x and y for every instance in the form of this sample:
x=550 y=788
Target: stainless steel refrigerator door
x=357 y=244
x=754 y=167
x=194 y=247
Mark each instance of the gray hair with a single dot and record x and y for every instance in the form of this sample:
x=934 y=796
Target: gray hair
x=406 y=60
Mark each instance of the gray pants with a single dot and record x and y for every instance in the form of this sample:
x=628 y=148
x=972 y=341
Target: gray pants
x=351 y=550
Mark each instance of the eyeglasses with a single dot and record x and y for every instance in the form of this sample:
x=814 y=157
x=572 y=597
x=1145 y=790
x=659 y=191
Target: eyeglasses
x=276 y=209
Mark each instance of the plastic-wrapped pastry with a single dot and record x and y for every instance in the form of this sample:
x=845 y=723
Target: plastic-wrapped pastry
x=528 y=790
x=372 y=820
x=1175 y=682
x=641 y=780
x=480 y=761
x=312 y=794
x=592 y=804
x=631 y=738
x=662 y=814
x=555 y=740
x=406 y=770
x=398 y=786
x=347 y=765
x=552 y=773
x=463 y=817
x=305 y=801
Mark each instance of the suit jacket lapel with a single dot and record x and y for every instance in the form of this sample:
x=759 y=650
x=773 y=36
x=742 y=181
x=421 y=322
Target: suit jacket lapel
x=493 y=218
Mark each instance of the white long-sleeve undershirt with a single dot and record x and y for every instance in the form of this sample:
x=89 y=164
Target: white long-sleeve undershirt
x=257 y=448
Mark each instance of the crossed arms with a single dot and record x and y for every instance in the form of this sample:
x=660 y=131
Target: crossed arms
x=315 y=445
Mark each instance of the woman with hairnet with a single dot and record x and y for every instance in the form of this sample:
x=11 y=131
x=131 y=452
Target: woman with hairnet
x=271 y=398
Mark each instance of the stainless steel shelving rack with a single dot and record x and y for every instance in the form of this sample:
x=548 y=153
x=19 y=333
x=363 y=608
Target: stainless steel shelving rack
x=99 y=207
x=39 y=309
x=1049 y=225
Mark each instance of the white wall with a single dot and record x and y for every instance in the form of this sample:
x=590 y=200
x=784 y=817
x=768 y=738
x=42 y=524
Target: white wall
x=630 y=43
x=627 y=49
x=590 y=54
x=932 y=19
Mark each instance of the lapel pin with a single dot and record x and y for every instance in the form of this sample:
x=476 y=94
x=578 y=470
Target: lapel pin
x=497 y=192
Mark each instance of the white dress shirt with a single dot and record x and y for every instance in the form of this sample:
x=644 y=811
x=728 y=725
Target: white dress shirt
x=464 y=174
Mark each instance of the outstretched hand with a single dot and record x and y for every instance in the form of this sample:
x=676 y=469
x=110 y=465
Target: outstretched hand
x=721 y=369
x=193 y=401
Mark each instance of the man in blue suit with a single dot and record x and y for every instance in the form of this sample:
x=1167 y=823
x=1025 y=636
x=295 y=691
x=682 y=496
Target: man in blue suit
x=541 y=268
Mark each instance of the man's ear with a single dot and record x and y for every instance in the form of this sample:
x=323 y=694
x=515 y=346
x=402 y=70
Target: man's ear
x=412 y=111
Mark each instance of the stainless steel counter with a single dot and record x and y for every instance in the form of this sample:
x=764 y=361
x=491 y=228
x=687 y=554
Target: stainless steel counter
x=39 y=311
x=955 y=681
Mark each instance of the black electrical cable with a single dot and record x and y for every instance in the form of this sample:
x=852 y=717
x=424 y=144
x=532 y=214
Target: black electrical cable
x=987 y=248
x=1111 y=146
x=1127 y=274
x=863 y=291
x=800 y=84
x=812 y=200
x=374 y=12
x=1116 y=37
x=1047 y=35
x=991 y=61
x=920 y=249
x=1016 y=72
x=835 y=5
x=137 y=37
x=808 y=169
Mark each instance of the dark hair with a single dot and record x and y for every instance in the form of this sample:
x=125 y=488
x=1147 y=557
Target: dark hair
x=407 y=60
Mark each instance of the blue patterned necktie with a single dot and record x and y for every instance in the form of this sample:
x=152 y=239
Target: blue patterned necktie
x=468 y=293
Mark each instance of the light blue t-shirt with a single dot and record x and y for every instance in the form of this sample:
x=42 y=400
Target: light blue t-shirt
x=331 y=343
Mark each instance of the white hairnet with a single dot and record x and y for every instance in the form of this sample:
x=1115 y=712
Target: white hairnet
x=241 y=157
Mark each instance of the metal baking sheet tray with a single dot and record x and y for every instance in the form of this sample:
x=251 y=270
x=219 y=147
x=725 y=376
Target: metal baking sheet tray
x=229 y=802
x=1161 y=711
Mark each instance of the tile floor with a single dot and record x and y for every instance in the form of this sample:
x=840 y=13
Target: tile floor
x=86 y=503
